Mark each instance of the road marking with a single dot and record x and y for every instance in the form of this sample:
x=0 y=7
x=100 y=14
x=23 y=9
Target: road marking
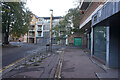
x=59 y=68
x=6 y=67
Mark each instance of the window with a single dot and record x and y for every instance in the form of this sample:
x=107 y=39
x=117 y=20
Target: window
x=46 y=27
x=46 y=34
x=100 y=42
x=32 y=34
x=32 y=27
x=95 y=18
x=39 y=27
x=39 y=33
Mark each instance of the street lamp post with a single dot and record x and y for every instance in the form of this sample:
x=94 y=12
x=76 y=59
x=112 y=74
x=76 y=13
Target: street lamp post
x=51 y=29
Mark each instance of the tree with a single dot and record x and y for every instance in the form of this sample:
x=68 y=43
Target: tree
x=15 y=19
x=64 y=26
x=72 y=17
x=75 y=16
x=61 y=29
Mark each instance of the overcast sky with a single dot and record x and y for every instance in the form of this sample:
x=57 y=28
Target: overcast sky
x=42 y=7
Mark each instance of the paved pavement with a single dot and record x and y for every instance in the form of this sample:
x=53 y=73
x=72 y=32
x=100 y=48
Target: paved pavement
x=76 y=64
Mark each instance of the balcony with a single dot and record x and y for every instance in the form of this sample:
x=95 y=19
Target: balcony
x=84 y=5
x=87 y=16
x=32 y=28
x=32 y=36
x=39 y=22
x=39 y=35
x=39 y=29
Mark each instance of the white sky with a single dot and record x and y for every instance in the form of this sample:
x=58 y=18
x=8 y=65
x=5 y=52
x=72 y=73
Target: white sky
x=42 y=7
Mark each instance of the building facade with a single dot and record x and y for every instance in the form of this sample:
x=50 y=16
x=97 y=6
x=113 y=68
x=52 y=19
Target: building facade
x=105 y=34
x=39 y=31
x=31 y=35
x=99 y=25
x=43 y=29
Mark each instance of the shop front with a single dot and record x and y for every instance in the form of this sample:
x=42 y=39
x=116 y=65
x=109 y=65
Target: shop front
x=100 y=42
x=105 y=40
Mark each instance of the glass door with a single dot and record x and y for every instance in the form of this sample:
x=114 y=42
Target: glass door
x=100 y=42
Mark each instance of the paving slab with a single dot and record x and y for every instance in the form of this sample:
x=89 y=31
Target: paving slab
x=76 y=64
x=110 y=73
x=30 y=74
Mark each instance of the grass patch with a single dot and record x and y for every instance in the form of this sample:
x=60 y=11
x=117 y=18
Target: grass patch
x=39 y=61
x=42 y=58
x=31 y=61
x=26 y=64
x=34 y=58
x=36 y=64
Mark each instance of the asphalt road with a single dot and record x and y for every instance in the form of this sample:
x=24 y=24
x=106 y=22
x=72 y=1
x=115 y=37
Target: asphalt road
x=12 y=54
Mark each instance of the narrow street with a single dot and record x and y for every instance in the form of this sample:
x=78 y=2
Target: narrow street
x=12 y=54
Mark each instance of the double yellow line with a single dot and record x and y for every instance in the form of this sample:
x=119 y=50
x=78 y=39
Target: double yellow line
x=11 y=65
x=59 y=67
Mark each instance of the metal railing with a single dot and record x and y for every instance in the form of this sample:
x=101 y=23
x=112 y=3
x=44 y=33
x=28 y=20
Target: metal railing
x=40 y=29
x=33 y=35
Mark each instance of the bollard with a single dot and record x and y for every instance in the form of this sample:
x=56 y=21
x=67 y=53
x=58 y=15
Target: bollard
x=39 y=56
x=24 y=59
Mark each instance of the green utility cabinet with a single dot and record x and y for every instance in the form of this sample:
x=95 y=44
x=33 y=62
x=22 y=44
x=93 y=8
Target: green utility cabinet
x=77 y=41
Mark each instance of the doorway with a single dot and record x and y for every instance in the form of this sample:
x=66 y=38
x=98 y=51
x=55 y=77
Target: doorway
x=77 y=41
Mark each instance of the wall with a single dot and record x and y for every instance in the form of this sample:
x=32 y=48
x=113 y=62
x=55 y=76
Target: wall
x=114 y=41
x=112 y=54
x=33 y=22
x=90 y=10
x=83 y=36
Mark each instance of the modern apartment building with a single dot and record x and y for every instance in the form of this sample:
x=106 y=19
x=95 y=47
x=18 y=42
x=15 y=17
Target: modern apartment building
x=99 y=31
x=39 y=31
x=31 y=37
x=43 y=29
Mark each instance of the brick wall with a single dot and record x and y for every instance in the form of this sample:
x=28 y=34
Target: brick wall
x=83 y=36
